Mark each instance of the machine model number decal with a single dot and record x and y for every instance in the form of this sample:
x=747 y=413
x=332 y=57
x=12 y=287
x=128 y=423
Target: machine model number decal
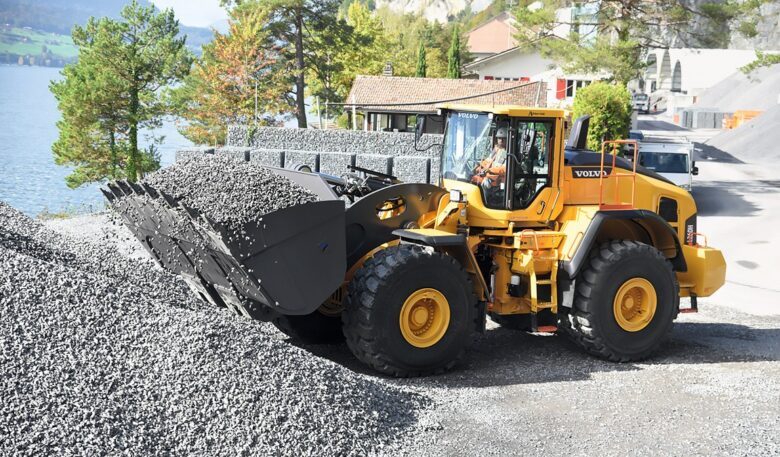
x=591 y=172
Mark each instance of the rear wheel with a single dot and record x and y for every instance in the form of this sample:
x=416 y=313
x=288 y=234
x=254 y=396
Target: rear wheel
x=410 y=312
x=626 y=300
x=323 y=326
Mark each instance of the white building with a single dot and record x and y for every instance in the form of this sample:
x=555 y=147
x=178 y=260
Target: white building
x=518 y=65
x=689 y=70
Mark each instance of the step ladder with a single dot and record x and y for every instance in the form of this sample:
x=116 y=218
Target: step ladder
x=528 y=258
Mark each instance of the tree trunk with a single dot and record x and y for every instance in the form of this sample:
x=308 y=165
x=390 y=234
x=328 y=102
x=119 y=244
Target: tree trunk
x=132 y=164
x=300 y=84
x=112 y=147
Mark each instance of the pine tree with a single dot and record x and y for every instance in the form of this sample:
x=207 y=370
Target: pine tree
x=307 y=36
x=453 y=55
x=422 y=67
x=143 y=54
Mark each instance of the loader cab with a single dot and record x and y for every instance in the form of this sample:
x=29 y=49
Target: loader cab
x=508 y=155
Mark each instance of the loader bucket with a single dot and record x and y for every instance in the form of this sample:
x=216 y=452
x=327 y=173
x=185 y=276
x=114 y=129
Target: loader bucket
x=287 y=262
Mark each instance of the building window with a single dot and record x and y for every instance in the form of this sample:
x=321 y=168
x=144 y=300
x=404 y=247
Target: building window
x=572 y=85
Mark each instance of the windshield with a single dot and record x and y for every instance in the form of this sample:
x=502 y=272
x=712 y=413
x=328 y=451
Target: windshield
x=664 y=162
x=467 y=142
x=640 y=97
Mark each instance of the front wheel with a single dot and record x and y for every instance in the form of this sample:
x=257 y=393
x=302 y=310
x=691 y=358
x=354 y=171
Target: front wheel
x=410 y=312
x=627 y=298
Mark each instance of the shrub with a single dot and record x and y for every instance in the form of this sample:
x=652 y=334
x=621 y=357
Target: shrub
x=610 y=108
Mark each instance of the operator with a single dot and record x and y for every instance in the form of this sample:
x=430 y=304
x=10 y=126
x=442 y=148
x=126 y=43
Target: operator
x=491 y=172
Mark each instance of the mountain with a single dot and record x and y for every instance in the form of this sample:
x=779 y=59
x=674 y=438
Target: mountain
x=59 y=16
x=434 y=10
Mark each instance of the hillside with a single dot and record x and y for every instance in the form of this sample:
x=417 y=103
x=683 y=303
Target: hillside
x=28 y=25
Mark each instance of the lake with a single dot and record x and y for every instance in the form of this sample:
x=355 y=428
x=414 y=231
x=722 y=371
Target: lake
x=29 y=178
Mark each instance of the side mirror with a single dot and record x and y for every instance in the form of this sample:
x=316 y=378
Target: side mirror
x=419 y=128
x=694 y=168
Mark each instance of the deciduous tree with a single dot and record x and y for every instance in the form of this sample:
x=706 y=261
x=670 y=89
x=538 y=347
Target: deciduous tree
x=613 y=36
x=233 y=82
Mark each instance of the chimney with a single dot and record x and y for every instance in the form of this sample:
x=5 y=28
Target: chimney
x=388 y=70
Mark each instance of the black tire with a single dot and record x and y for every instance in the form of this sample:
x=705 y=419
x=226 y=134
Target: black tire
x=376 y=297
x=314 y=328
x=591 y=323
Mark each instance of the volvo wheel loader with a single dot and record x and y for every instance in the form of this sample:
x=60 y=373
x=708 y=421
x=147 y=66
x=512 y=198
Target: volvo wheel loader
x=539 y=234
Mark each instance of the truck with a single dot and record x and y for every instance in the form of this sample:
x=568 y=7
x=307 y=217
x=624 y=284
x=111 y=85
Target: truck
x=641 y=102
x=535 y=232
x=671 y=158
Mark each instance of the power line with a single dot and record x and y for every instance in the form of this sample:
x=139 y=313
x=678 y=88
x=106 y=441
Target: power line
x=435 y=102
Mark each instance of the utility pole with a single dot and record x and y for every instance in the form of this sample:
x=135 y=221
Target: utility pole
x=319 y=115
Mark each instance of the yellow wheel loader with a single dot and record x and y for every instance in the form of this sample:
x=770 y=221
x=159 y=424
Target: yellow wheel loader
x=539 y=234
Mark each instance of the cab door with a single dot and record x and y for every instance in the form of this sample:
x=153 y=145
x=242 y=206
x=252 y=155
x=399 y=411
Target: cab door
x=534 y=173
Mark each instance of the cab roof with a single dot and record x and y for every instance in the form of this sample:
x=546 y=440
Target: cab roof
x=509 y=110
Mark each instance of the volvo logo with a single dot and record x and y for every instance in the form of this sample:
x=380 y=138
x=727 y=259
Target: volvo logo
x=591 y=172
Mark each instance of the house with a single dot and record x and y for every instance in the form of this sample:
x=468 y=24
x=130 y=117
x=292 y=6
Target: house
x=492 y=37
x=391 y=103
x=518 y=65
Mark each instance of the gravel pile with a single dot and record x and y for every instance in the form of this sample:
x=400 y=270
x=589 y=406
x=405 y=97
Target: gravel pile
x=102 y=354
x=228 y=191
x=755 y=141
x=760 y=91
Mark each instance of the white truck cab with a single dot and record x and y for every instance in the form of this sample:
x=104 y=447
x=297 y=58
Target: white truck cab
x=671 y=159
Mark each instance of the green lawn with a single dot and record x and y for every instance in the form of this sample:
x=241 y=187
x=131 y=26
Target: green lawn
x=25 y=41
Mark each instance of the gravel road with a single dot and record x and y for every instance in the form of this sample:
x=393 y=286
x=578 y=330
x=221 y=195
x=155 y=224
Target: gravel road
x=714 y=389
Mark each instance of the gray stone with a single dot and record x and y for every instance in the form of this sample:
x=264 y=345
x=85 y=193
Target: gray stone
x=267 y=157
x=188 y=153
x=237 y=153
x=296 y=157
x=380 y=163
x=336 y=163
x=411 y=169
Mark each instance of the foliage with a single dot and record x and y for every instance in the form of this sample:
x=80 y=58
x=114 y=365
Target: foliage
x=613 y=37
x=422 y=67
x=308 y=38
x=114 y=90
x=405 y=33
x=610 y=108
x=762 y=60
x=453 y=55
x=236 y=69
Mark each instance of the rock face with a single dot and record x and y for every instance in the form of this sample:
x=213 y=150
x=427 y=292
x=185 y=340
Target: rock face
x=433 y=10
x=102 y=354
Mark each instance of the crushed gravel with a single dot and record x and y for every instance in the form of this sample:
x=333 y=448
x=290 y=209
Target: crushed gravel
x=103 y=354
x=228 y=191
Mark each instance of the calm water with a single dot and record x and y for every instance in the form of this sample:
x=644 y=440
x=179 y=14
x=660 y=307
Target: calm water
x=29 y=179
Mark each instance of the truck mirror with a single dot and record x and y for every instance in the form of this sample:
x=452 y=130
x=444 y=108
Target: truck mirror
x=419 y=128
x=695 y=171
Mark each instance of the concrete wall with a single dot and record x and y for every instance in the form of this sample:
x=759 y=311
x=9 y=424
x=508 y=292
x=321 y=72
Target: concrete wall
x=332 y=151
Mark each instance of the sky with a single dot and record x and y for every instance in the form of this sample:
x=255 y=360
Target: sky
x=195 y=13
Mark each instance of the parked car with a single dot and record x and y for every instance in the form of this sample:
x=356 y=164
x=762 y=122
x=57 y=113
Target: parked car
x=672 y=160
x=641 y=103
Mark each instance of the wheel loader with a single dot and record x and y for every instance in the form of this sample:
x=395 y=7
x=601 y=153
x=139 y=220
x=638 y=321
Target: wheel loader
x=537 y=233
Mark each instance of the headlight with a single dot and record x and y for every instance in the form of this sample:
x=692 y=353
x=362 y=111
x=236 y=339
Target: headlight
x=456 y=196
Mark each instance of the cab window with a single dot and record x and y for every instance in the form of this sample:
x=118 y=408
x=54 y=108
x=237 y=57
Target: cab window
x=531 y=171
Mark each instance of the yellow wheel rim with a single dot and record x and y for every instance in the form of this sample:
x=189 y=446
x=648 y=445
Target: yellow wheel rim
x=635 y=304
x=425 y=317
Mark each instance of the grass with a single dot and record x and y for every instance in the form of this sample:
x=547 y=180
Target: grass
x=21 y=41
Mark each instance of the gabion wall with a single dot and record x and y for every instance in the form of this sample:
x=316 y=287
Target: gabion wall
x=331 y=151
